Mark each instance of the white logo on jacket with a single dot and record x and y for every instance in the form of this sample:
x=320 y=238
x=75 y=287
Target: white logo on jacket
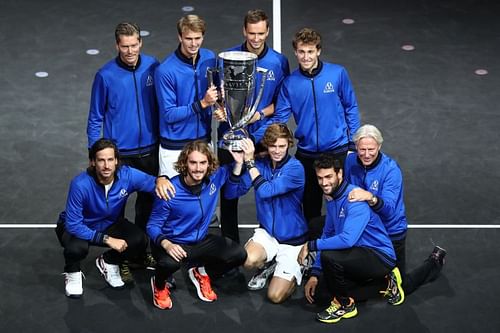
x=270 y=75
x=374 y=185
x=213 y=189
x=123 y=193
x=328 y=88
x=342 y=212
x=149 y=81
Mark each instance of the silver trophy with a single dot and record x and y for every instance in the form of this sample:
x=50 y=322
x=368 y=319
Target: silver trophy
x=237 y=73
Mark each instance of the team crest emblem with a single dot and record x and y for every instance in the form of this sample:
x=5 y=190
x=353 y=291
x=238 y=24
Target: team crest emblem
x=342 y=213
x=270 y=76
x=213 y=189
x=328 y=88
x=374 y=185
x=149 y=81
x=123 y=193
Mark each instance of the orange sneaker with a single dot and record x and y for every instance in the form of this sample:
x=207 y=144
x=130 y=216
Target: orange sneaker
x=202 y=284
x=161 y=297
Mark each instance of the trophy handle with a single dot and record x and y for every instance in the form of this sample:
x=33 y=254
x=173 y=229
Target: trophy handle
x=243 y=121
x=211 y=82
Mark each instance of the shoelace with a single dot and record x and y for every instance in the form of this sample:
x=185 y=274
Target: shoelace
x=114 y=271
x=73 y=277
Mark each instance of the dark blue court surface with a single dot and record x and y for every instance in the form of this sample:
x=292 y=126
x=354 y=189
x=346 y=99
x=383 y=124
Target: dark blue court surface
x=418 y=71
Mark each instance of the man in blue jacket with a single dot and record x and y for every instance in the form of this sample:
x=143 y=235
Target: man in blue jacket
x=184 y=97
x=380 y=182
x=93 y=216
x=353 y=249
x=321 y=98
x=278 y=181
x=123 y=108
x=178 y=228
x=255 y=31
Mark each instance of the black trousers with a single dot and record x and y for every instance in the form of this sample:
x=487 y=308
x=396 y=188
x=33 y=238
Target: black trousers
x=218 y=254
x=144 y=202
x=76 y=249
x=228 y=208
x=350 y=273
x=313 y=194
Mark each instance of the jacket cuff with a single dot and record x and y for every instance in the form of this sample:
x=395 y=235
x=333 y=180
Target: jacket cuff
x=315 y=272
x=379 y=205
x=159 y=239
x=196 y=106
x=311 y=246
x=99 y=238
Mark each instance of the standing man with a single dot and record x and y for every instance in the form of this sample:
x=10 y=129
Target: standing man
x=184 y=98
x=321 y=98
x=353 y=249
x=381 y=186
x=123 y=107
x=278 y=181
x=93 y=216
x=255 y=31
x=178 y=228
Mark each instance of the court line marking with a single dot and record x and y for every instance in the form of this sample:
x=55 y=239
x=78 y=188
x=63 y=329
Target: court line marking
x=277 y=25
x=250 y=226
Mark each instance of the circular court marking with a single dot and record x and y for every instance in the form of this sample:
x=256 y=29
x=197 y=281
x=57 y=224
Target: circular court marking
x=408 y=47
x=481 y=71
x=145 y=33
x=348 y=21
x=92 y=51
x=41 y=74
x=187 y=8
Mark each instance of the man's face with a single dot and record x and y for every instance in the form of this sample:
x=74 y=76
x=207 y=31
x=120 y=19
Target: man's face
x=307 y=56
x=368 y=150
x=277 y=151
x=105 y=165
x=328 y=179
x=197 y=165
x=256 y=35
x=128 y=48
x=190 y=42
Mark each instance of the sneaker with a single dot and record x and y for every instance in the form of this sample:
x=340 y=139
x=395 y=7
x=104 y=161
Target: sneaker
x=111 y=273
x=336 y=311
x=259 y=279
x=73 y=284
x=126 y=274
x=161 y=297
x=395 y=293
x=146 y=262
x=438 y=254
x=202 y=284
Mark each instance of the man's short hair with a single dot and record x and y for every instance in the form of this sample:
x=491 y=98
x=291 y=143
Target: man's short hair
x=307 y=36
x=100 y=145
x=277 y=131
x=327 y=161
x=191 y=22
x=255 y=16
x=181 y=166
x=368 y=131
x=127 y=29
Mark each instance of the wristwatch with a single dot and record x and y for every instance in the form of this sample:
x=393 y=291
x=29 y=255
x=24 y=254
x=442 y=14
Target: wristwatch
x=105 y=238
x=372 y=201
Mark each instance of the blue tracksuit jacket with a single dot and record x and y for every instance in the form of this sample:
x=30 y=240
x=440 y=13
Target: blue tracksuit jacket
x=278 y=198
x=384 y=179
x=185 y=218
x=89 y=211
x=180 y=85
x=123 y=106
x=324 y=107
x=352 y=224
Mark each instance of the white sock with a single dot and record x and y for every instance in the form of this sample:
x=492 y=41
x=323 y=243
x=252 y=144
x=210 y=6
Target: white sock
x=202 y=271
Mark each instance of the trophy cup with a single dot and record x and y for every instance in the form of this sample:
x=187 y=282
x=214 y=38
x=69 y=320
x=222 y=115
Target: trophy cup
x=237 y=73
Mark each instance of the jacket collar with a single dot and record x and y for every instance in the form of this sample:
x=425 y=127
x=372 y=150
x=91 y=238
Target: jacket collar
x=340 y=190
x=314 y=72
x=185 y=59
x=261 y=55
x=123 y=65
x=373 y=165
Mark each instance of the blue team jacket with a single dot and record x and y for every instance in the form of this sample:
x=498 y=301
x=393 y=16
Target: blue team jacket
x=278 y=198
x=352 y=224
x=180 y=85
x=185 y=218
x=123 y=105
x=89 y=211
x=384 y=179
x=324 y=107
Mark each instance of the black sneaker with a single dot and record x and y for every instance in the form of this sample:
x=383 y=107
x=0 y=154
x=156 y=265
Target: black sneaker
x=126 y=274
x=336 y=311
x=438 y=254
x=395 y=293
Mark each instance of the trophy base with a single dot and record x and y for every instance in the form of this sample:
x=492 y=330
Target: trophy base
x=232 y=139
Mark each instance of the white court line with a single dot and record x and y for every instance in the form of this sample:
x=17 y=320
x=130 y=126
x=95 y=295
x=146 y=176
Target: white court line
x=277 y=25
x=250 y=226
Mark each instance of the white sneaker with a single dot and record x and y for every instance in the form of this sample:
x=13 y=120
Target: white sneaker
x=73 y=284
x=111 y=273
x=258 y=281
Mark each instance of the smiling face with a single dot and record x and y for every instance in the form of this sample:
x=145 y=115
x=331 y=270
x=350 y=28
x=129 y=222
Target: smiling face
x=190 y=42
x=256 y=35
x=307 y=56
x=328 y=179
x=105 y=164
x=368 y=150
x=129 y=48
x=197 y=166
x=278 y=150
